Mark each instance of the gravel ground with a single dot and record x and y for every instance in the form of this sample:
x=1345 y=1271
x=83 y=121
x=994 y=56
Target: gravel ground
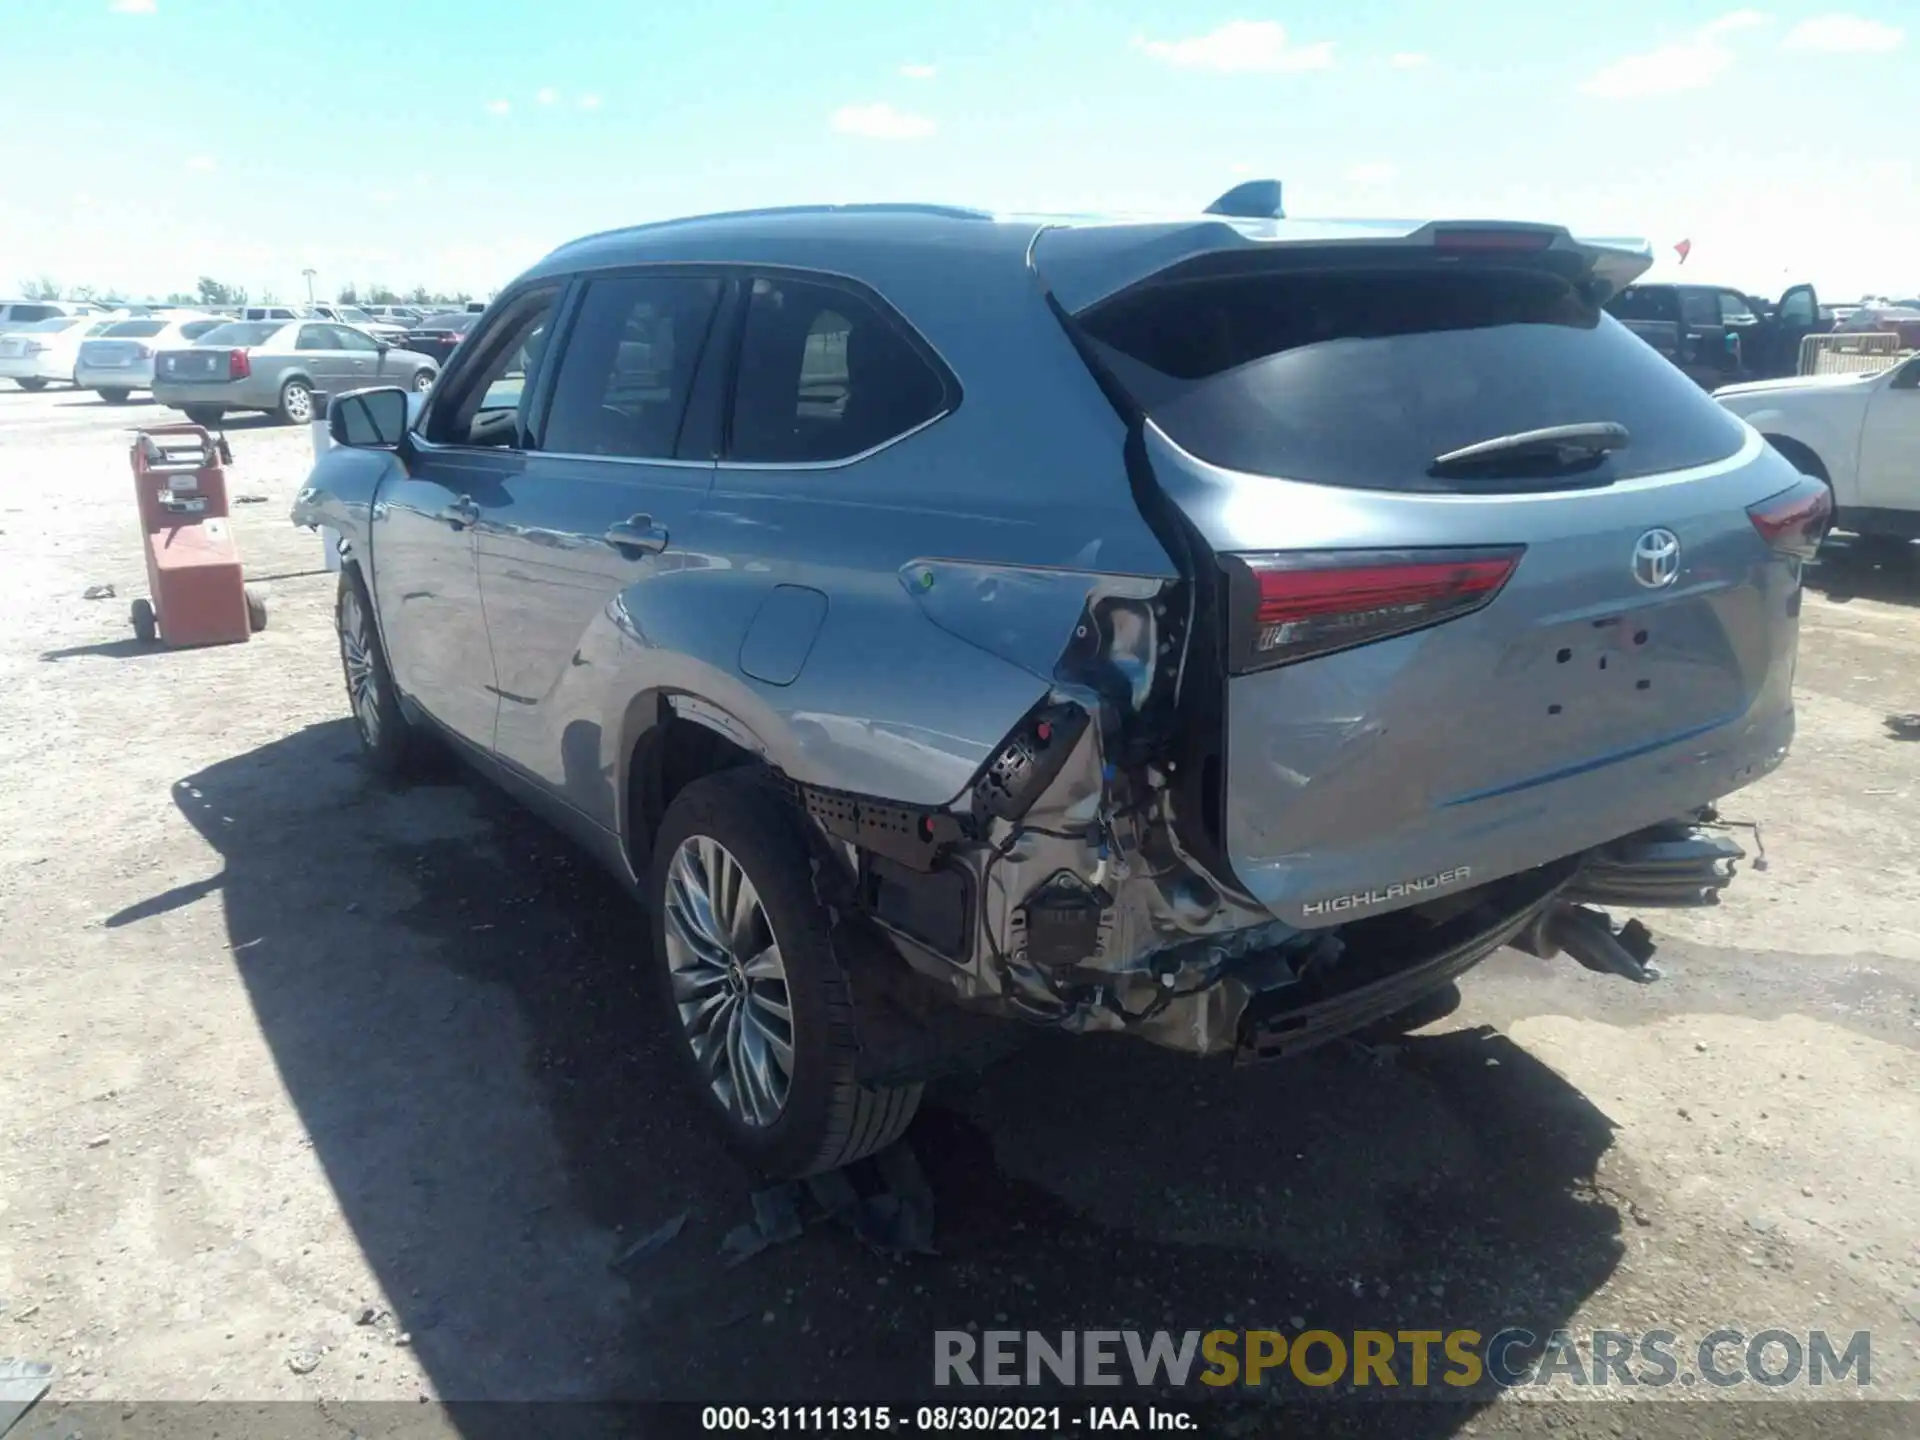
x=322 y=1093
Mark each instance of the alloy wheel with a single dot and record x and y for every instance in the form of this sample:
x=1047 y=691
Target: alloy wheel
x=297 y=401
x=729 y=981
x=356 y=655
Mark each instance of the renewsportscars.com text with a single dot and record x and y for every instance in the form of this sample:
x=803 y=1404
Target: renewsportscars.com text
x=1426 y=1361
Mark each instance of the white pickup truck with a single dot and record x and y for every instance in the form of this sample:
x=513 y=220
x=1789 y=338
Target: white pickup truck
x=1859 y=433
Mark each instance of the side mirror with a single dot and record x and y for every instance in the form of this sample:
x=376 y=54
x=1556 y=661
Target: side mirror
x=373 y=419
x=383 y=346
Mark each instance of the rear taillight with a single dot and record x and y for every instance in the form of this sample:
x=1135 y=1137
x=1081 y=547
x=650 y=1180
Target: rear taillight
x=238 y=366
x=1287 y=607
x=1795 y=521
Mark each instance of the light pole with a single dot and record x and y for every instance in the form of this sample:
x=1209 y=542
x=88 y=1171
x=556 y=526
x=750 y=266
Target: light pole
x=309 y=272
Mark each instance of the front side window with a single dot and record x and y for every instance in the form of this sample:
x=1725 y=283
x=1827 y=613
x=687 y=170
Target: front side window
x=1734 y=309
x=347 y=338
x=628 y=366
x=483 y=406
x=825 y=374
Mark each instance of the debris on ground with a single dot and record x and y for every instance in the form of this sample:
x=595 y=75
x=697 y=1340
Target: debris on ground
x=648 y=1244
x=1904 y=727
x=98 y=592
x=303 y=1362
x=250 y=499
x=22 y=1383
x=885 y=1200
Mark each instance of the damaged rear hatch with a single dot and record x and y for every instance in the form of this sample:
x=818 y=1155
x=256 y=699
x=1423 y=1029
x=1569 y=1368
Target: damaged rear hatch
x=1481 y=581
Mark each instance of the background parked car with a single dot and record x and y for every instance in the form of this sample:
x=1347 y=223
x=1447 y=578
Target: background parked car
x=275 y=366
x=361 y=319
x=402 y=315
x=16 y=313
x=1719 y=335
x=437 y=335
x=43 y=353
x=119 y=360
x=271 y=312
x=1884 y=319
x=1859 y=434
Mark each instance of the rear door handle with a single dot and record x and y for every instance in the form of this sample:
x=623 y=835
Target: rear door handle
x=636 y=536
x=460 y=514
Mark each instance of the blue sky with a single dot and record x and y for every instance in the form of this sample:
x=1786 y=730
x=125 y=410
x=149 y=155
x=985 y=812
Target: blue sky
x=451 y=142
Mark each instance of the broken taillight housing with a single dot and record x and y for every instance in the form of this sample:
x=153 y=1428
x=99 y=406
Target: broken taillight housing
x=1290 y=606
x=1795 y=521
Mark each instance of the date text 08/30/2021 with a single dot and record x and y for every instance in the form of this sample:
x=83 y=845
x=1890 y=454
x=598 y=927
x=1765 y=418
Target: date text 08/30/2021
x=942 y=1419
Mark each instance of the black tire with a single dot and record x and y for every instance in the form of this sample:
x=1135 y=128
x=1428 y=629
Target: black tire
x=296 y=403
x=116 y=396
x=828 y=1118
x=256 y=610
x=32 y=383
x=390 y=743
x=423 y=379
x=146 y=625
x=206 y=416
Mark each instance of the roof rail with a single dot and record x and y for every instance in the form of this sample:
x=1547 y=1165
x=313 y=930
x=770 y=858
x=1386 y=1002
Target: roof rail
x=1251 y=200
x=948 y=212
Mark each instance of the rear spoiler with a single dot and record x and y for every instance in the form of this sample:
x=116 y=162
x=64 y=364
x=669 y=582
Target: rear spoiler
x=1085 y=261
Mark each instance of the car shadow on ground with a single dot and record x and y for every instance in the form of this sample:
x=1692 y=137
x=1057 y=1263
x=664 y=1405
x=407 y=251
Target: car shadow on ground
x=92 y=400
x=1852 y=569
x=459 y=1005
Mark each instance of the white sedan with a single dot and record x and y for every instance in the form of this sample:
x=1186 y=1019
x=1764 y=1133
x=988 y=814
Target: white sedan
x=1859 y=433
x=37 y=355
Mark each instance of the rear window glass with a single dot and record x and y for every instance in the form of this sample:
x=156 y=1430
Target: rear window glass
x=242 y=333
x=1644 y=302
x=135 y=329
x=1362 y=378
x=458 y=322
x=194 y=329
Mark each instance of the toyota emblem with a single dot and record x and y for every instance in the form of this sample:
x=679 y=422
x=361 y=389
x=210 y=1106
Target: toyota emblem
x=1656 y=559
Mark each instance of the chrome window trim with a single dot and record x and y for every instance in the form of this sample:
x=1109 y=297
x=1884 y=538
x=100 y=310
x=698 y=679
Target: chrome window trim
x=840 y=464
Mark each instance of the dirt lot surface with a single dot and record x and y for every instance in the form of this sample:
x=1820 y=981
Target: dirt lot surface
x=285 y=1053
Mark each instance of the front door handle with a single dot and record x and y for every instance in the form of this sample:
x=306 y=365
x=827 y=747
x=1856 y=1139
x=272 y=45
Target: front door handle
x=460 y=514
x=636 y=536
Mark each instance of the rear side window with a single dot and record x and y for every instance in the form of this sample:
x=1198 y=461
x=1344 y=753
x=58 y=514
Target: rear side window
x=28 y=314
x=825 y=374
x=1644 y=302
x=629 y=365
x=1699 y=307
x=316 y=337
x=240 y=333
x=1362 y=378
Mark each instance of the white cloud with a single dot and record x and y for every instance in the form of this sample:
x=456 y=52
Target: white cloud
x=133 y=7
x=589 y=102
x=881 y=122
x=1241 y=47
x=918 y=72
x=1374 y=173
x=200 y=162
x=499 y=107
x=1410 y=60
x=1690 y=64
x=547 y=95
x=1843 y=35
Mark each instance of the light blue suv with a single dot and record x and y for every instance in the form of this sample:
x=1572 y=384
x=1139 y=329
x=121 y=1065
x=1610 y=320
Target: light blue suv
x=1224 y=630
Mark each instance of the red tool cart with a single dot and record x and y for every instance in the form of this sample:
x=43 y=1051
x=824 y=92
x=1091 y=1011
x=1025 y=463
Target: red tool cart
x=193 y=567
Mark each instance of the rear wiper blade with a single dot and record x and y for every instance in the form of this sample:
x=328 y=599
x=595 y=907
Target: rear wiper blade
x=1556 y=448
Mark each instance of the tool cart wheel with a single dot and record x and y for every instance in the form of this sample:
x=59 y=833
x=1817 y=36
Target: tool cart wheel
x=145 y=624
x=256 y=610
